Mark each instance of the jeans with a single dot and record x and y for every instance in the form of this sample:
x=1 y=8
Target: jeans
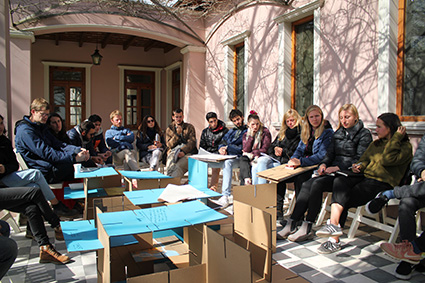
x=29 y=178
x=263 y=163
x=228 y=165
x=31 y=202
x=8 y=249
x=153 y=158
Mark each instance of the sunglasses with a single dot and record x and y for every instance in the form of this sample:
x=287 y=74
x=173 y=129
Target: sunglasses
x=150 y=121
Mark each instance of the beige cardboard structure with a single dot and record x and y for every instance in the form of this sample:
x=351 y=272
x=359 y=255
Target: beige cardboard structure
x=146 y=184
x=282 y=173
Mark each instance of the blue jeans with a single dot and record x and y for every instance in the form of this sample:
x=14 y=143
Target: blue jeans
x=8 y=249
x=228 y=165
x=29 y=178
x=263 y=163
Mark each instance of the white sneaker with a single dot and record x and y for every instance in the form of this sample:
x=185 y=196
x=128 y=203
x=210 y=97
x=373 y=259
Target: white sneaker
x=223 y=201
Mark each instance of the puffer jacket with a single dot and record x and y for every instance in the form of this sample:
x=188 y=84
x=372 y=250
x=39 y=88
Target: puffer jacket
x=320 y=145
x=233 y=140
x=347 y=146
x=187 y=137
x=210 y=139
x=288 y=145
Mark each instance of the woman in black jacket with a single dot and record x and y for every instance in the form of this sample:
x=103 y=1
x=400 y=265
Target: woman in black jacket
x=348 y=143
x=282 y=148
x=150 y=142
x=210 y=139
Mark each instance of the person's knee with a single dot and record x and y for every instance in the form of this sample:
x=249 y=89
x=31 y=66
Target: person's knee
x=408 y=205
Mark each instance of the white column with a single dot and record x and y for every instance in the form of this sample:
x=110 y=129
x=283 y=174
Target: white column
x=5 y=63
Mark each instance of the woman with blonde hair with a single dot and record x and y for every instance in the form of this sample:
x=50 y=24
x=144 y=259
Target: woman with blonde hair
x=316 y=135
x=282 y=148
x=349 y=142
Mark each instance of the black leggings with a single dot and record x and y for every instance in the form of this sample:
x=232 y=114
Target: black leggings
x=355 y=191
x=31 y=202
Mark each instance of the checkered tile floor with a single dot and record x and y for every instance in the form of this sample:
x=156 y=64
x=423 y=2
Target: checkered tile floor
x=360 y=260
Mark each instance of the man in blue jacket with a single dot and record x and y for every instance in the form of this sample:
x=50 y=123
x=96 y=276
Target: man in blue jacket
x=120 y=140
x=231 y=144
x=41 y=150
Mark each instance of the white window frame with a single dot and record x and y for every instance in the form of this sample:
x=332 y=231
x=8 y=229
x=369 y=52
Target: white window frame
x=87 y=67
x=157 y=71
x=285 y=54
x=169 y=85
x=229 y=70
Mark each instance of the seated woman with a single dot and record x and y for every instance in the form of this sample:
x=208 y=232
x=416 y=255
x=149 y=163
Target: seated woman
x=283 y=147
x=316 y=135
x=11 y=177
x=380 y=168
x=210 y=140
x=254 y=142
x=55 y=124
x=348 y=143
x=150 y=142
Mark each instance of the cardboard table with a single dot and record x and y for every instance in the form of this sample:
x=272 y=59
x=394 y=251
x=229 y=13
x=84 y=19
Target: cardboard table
x=147 y=179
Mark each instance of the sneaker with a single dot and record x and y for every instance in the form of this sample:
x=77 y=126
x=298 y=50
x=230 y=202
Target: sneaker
x=58 y=233
x=62 y=210
x=375 y=205
x=404 y=271
x=329 y=247
x=223 y=201
x=329 y=230
x=403 y=251
x=48 y=254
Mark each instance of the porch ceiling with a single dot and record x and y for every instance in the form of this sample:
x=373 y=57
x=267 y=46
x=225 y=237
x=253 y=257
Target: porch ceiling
x=103 y=39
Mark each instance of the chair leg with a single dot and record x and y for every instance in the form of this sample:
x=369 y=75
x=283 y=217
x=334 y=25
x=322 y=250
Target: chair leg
x=395 y=232
x=356 y=222
x=12 y=222
x=322 y=213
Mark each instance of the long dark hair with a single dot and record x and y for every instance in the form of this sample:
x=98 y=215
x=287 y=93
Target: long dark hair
x=4 y=131
x=63 y=130
x=143 y=127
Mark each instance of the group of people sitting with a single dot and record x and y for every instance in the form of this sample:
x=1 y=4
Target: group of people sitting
x=368 y=167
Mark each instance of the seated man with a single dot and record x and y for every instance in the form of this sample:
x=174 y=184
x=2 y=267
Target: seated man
x=98 y=141
x=231 y=144
x=411 y=199
x=41 y=150
x=120 y=140
x=31 y=202
x=180 y=138
x=210 y=140
x=8 y=249
x=82 y=135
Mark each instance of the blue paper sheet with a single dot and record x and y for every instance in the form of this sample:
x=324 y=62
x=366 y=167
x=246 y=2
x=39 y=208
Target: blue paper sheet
x=143 y=174
x=79 y=194
x=198 y=173
x=82 y=236
x=142 y=197
x=100 y=172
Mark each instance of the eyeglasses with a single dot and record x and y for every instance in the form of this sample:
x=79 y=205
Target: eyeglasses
x=43 y=114
x=150 y=121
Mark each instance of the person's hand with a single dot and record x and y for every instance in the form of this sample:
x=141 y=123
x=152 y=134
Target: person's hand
x=152 y=147
x=158 y=144
x=331 y=169
x=356 y=168
x=321 y=169
x=422 y=178
x=278 y=151
x=2 y=169
x=97 y=159
x=83 y=155
x=181 y=154
x=222 y=150
x=401 y=130
x=294 y=162
x=179 y=129
x=107 y=154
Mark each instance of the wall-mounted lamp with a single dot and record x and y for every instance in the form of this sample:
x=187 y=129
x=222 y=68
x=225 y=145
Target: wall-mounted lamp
x=96 y=57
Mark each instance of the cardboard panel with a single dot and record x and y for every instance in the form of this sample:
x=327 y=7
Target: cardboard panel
x=281 y=173
x=164 y=182
x=253 y=231
x=145 y=184
x=158 y=277
x=194 y=237
x=192 y=274
x=226 y=261
x=104 y=182
x=198 y=173
x=260 y=196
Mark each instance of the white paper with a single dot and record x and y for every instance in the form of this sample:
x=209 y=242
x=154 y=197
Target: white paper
x=174 y=193
x=211 y=157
